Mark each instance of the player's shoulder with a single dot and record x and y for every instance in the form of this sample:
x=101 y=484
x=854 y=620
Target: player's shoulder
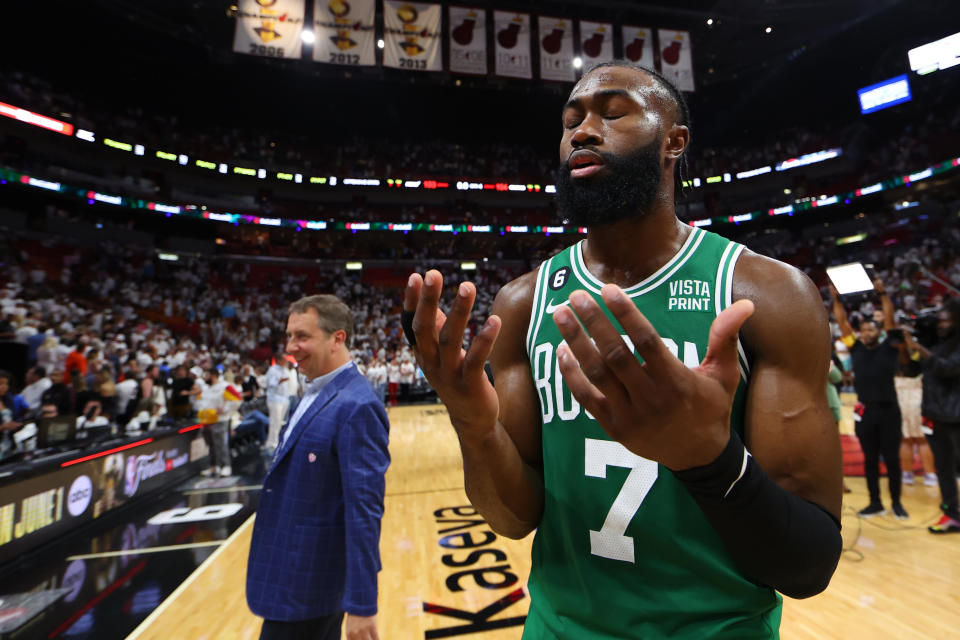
x=789 y=315
x=517 y=295
x=758 y=278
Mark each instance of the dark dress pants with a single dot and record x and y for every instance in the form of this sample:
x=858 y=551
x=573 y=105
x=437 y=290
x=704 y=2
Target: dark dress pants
x=945 y=444
x=879 y=434
x=325 y=628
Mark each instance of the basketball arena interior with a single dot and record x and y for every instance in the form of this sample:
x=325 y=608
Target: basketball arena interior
x=174 y=174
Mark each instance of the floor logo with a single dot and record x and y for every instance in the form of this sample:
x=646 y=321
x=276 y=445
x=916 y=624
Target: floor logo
x=78 y=499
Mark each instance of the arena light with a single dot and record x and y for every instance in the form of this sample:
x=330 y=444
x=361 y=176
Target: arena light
x=116 y=144
x=851 y=239
x=826 y=202
x=138 y=150
x=809 y=158
x=381 y=44
x=315 y=180
x=706 y=222
x=406 y=226
x=361 y=182
x=411 y=184
x=517 y=187
x=182 y=160
x=169 y=257
x=42 y=184
x=519 y=228
x=550 y=189
x=779 y=211
x=478 y=228
x=743 y=217
x=163 y=208
x=358 y=226
x=269 y=222
x=29 y=117
x=714 y=179
x=163 y=155
x=220 y=217
x=222 y=168
x=920 y=175
x=244 y=171
x=577 y=62
x=285 y=176
x=884 y=94
x=106 y=199
x=85 y=135
x=354 y=266
x=549 y=230
x=935 y=56
x=203 y=164
x=261 y=173
x=754 y=172
x=307 y=36
x=317 y=225
x=298 y=178
x=468 y=266
x=441 y=227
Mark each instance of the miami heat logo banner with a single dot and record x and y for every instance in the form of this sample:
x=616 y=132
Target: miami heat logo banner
x=638 y=45
x=269 y=28
x=411 y=32
x=676 y=59
x=556 y=49
x=512 y=36
x=468 y=40
x=345 y=32
x=596 y=42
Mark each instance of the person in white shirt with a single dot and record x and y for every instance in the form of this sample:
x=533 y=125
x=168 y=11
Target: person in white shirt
x=215 y=397
x=377 y=375
x=407 y=373
x=393 y=380
x=37 y=383
x=278 y=399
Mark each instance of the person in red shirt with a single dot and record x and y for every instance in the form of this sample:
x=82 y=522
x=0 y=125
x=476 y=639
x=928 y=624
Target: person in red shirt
x=76 y=361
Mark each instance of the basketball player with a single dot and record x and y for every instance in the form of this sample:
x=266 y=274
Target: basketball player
x=652 y=519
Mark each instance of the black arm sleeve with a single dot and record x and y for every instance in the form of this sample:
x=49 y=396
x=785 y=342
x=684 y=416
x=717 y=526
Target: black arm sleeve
x=776 y=538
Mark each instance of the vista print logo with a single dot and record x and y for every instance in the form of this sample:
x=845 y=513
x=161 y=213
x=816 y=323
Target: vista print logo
x=78 y=498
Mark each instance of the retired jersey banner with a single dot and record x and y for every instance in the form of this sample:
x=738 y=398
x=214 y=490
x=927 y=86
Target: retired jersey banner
x=468 y=40
x=556 y=49
x=512 y=33
x=345 y=32
x=269 y=28
x=411 y=33
x=596 y=42
x=638 y=45
x=676 y=59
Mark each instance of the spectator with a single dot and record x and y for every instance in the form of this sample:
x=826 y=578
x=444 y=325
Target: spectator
x=37 y=384
x=877 y=416
x=941 y=405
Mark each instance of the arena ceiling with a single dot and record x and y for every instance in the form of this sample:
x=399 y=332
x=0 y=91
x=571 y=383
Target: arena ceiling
x=174 y=55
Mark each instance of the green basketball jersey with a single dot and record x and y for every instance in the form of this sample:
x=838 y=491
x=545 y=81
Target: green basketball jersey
x=623 y=551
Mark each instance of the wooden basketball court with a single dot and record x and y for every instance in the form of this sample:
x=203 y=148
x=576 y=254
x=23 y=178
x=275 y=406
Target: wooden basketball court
x=896 y=580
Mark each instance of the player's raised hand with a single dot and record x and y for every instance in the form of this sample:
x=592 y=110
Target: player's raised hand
x=659 y=409
x=455 y=374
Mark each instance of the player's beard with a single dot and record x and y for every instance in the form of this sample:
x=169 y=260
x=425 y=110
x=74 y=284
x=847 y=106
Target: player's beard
x=627 y=188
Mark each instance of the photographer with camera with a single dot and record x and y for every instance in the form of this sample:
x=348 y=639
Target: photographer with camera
x=941 y=405
x=877 y=413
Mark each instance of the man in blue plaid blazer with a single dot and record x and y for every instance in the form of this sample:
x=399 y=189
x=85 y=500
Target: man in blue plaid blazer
x=315 y=548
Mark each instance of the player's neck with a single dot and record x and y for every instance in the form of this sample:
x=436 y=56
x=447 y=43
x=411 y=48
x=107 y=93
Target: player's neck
x=629 y=251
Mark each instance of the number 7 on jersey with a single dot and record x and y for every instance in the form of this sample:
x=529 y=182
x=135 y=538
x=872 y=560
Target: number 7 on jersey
x=610 y=542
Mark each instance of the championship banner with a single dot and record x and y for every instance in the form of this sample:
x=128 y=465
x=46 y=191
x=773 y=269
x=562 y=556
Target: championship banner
x=345 y=32
x=468 y=40
x=269 y=28
x=676 y=58
x=411 y=33
x=638 y=45
x=596 y=42
x=512 y=31
x=556 y=49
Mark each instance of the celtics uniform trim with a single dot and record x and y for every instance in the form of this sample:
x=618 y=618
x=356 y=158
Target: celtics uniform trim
x=622 y=550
